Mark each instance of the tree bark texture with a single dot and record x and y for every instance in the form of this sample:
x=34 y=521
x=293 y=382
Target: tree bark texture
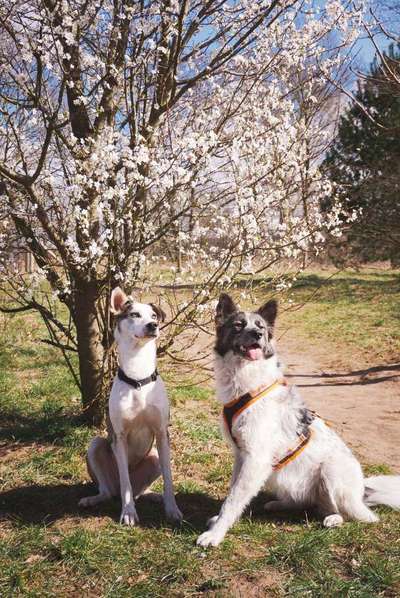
x=91 y=354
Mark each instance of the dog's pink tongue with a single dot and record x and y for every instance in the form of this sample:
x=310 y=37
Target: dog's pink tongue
x=254 y=353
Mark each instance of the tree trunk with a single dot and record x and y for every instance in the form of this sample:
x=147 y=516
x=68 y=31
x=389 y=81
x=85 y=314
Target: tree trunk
x=91 y=354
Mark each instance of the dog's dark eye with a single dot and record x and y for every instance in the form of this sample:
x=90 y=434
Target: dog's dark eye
x=154 y=316
x=238 y=326
x=135 y=314
x=259 y=325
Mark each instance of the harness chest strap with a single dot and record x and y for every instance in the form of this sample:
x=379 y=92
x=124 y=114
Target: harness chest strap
x=294 y=452
x=233 y=409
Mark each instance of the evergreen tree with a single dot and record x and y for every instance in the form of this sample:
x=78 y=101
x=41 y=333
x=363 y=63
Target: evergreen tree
x=364 y=161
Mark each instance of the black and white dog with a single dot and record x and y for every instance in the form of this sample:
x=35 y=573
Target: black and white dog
x=126 y=462
x=277 y=442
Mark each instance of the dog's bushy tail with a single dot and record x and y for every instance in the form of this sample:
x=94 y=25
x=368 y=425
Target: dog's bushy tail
x=383 y=490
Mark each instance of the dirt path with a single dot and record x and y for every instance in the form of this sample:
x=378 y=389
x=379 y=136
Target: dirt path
x=363 y=404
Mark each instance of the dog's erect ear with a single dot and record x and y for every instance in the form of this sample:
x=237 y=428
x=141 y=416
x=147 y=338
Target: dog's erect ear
x=269 y=311
x=225 y=308
x=118 y=300
x=161 y=315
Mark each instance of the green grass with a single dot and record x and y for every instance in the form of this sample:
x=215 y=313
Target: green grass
x=356 y=312
x=49 y=547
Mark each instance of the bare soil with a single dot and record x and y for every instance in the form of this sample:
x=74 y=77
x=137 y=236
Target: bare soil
x=362 y=402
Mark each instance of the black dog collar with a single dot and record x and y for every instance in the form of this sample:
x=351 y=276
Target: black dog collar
x=137 y=383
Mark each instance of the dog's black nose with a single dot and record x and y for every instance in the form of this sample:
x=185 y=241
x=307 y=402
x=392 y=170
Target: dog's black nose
x=152 y=326
x=256 y=334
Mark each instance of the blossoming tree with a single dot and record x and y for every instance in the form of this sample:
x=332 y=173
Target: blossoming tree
x=134 y=135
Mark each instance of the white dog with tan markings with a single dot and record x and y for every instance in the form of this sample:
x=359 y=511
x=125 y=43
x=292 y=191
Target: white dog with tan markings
x=126 y=462
x=277 y=442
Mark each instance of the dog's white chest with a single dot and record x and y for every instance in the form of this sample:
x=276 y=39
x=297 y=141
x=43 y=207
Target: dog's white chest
x=133 y=408
x=127 y=406
x=132 y=404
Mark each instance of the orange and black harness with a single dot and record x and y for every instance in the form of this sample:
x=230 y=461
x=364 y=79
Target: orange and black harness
x=233 y=409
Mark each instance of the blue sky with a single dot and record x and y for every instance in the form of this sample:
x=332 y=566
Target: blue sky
x=391 y=20
x=365 y=52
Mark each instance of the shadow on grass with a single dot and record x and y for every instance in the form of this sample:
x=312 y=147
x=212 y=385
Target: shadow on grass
x=327 y=378
x=389 y=283
x=51 y=503
x=386 y=279
x=51 y=426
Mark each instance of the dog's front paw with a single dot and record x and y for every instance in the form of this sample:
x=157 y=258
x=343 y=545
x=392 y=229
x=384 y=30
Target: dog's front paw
x=334 y=520
x=173 y=515
x=129 y=515
x=209 y=538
